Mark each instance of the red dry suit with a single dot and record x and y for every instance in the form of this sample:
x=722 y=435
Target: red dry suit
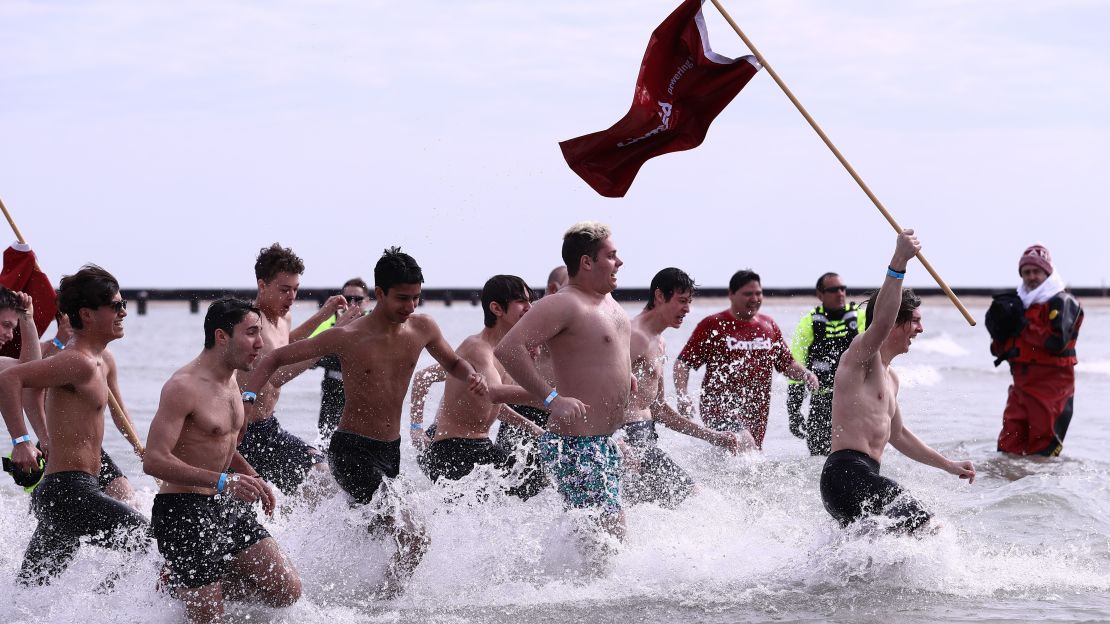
x=1042 y=362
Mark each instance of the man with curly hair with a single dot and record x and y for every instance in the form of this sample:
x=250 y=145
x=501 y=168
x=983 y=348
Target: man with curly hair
x=280 y=457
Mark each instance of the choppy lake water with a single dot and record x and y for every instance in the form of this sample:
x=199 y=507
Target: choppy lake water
x=1029 y=540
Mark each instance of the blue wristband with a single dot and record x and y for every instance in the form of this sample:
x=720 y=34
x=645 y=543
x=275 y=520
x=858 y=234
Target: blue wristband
x=249 y=397
x=416 y=426
x=58 y=343
x=890 y=272
x=20 y=440
x=550 y=398
x=222 y=483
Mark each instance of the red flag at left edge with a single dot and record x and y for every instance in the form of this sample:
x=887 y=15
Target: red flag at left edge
x=22 y=273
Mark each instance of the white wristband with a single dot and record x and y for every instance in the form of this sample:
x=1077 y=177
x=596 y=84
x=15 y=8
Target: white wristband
x=550 y=398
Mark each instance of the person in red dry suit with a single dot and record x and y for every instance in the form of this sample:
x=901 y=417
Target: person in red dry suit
x=1035 y=330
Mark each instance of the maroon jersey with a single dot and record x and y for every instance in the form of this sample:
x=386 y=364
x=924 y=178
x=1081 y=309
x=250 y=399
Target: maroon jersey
x=739 y=357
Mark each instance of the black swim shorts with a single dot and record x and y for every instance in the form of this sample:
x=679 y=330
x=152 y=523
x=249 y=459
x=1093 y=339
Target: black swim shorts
x=852 y=488
x=454 y=458
x=70 y=506
x=359 y=463
x=109 y=471
x=278 y=456
x=659 y=480
x=508 y=435
x=198 y=534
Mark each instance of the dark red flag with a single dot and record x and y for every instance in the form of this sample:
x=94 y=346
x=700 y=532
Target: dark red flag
x=21 y=272
x=683 y=85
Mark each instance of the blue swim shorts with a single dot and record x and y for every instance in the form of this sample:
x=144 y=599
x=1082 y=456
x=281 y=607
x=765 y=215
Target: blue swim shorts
x=586 y=469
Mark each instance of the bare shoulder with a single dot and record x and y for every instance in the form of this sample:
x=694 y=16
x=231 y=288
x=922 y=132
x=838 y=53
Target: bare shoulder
x=474 y=350
x=423 y=325
x=74 y=362
x=561 y=302
x=7 y=362
x=342 y=335
x=181 y=390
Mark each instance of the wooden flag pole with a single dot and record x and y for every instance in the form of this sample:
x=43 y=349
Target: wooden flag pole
x=128 y=428
x=843 y=161
x=8 y=216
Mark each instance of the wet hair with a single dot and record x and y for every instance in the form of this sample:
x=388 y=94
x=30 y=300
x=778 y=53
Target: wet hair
x=225 y=313
x=910 y=302
x=276 y=259
x=90 y=287
x=503 y=289
x=825 y=276
x=669 y=281
x=741 y=278
x=396 y=267
x=356 y=282
x=582 y=239
x=9 y=300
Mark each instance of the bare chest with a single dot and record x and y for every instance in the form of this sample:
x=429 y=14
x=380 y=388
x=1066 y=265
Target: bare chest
x=381 y=358
x=602 y=327
x=88 y=394
x=274 y=334
x=217 y=415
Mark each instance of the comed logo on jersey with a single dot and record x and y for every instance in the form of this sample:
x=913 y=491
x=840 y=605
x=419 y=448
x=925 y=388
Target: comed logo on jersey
x=756 y=344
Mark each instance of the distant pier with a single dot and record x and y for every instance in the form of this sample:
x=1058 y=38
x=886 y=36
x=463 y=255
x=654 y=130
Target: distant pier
x=449 y=296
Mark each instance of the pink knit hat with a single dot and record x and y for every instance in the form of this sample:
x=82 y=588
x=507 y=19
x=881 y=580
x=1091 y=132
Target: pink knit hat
x=1037 y=255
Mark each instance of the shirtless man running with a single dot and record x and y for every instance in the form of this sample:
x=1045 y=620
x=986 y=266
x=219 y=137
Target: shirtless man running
x=112 y=480
x=587 y=333
x=461 y=440
x=203 y=518
x=865 y=413
x=378 y=353
x=280 y=457
x=68 y=502
x=659 y=479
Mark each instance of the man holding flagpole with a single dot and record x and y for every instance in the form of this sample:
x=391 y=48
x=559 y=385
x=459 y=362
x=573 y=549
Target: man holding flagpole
x=68 y=502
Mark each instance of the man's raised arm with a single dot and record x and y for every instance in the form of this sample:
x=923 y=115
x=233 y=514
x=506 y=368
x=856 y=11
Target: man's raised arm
x=881 y=320
x=29 y=351
x=336 y=305
x=312 y=349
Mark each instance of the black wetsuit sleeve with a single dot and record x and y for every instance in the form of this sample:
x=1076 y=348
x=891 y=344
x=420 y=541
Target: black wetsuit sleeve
x=1065 y=323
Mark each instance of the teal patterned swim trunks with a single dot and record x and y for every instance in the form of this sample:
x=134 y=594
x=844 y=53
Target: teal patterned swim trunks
x=586 y=469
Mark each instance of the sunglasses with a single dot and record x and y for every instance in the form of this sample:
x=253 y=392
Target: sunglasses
x=118 y=306
x=354 y=298
x=832 y=289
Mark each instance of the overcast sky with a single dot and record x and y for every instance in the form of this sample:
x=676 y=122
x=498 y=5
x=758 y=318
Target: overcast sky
x=170 y=141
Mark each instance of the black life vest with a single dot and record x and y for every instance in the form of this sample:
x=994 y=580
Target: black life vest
x=833 y=332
